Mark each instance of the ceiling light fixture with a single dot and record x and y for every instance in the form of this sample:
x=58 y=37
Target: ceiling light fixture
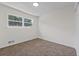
x=35 y=4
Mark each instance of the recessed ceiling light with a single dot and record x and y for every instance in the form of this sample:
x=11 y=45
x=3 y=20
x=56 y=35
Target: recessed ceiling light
x=35 y=4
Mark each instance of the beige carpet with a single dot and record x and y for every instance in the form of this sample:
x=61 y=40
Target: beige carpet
x=38 y=47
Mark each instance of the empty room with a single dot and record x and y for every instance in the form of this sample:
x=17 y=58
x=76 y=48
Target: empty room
x=39 y=29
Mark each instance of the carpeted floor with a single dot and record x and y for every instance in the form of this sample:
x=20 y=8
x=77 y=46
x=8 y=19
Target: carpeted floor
x=38 y=47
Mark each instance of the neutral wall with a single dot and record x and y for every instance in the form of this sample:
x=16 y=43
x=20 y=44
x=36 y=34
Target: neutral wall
x=15 y=34
x=58 y=26
x=76 y=37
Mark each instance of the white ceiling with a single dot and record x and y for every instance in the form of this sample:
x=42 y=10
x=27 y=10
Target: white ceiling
x=43 y=7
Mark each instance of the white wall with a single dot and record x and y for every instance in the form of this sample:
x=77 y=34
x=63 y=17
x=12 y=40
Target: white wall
x=16 y=34
x=76 y=37
x=58 y=26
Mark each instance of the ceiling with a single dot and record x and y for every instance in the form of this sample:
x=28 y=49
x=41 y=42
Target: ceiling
x=43 y=7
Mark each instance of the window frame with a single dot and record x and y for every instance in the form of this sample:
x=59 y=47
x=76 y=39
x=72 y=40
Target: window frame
x=19 y=21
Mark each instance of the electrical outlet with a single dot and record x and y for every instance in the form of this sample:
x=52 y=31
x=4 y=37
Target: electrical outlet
x=11 y=41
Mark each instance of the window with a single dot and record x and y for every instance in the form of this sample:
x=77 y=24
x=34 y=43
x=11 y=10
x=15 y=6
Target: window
x=27 y=22
x=14 y=21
